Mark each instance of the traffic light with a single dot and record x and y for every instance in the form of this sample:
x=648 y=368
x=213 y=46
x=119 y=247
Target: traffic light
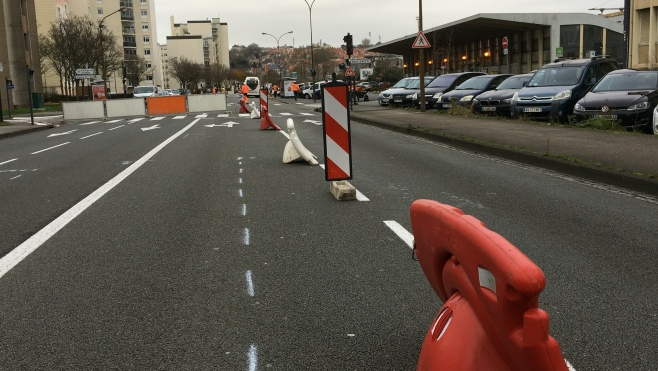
x=348 y=44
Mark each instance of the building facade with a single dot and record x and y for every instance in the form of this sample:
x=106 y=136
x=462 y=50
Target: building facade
x=643 y=34
x=19 y=52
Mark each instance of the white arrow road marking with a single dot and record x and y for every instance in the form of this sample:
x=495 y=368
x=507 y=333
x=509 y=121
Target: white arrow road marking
x=314 y=122
x=64 y=133
x=227 y=124
x=151 y=128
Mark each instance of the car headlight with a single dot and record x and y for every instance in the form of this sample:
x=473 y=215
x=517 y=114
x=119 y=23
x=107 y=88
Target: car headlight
x=578 y=107
x=562 y=95
x=438 y=96
x=381 y=95
x=412 y=96
x=475 y=101
x=639 y=106
x=515 y=97
x=508 y=100
x=466 y=98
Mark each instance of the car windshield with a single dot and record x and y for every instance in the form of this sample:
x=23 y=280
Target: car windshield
x=513 y=82
x=144 y=89
x=631 y=81
x=402 y=83
x=476 y=83
x=557 y=76
x=415 y=83
x=442 y=81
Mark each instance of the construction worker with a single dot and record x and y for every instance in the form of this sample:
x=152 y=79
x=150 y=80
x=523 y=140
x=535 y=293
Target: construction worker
x=275 y=89
x=245 y=91
x=295 y=89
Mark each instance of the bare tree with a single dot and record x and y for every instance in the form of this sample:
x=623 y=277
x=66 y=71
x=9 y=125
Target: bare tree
x=186 y=72
x=135 y=69
x=216 y=75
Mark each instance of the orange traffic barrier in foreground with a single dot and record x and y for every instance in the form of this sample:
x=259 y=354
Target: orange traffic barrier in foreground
x=266 y=122
x=490 y=320
x=166 y=105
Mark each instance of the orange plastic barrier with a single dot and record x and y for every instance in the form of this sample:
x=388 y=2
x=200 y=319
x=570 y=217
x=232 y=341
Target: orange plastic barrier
x=243 y=107
x=490 y=320
x=166 y=105
x=266 y=122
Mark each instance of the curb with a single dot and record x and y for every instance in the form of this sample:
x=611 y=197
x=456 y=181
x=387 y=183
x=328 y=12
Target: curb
x=26 y=130
x=596 y=174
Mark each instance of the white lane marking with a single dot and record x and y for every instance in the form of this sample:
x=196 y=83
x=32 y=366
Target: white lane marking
x=116 y=127
x=8 y=161
x=240 y=180
x=26 y=248
x=285 y=134
x=135 y=120
x=285 y=114
x=399 y=230
x=89 y=136
x=253 y=357
x=244 y=209
x=241 y=171
x=223 y=115
x=113 y=121
x=359 y=196
x=250 y=284
x=571 y=368
x=43 y=150
x=306 y=114
x=240 y=194
x=17 y=176
x=201 y=116
x=179 y=117
x=246 y=236
x=88 y=123
x=157 y=118
x=244 y=114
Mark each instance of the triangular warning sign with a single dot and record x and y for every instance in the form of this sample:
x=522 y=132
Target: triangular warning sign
x=349 y=71
x=421 y=41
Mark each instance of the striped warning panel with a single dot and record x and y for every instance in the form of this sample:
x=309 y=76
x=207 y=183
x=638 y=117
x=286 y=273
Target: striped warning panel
x=337 y=139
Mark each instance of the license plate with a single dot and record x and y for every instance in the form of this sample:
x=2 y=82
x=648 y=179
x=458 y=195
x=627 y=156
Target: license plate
x=609 y=117
x=447 y=105
x=532 y=109
x=397 y=100
x=488 y=109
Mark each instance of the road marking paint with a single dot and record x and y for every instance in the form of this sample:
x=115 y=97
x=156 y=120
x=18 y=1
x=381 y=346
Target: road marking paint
x=31 y=244
x=240 y=193
x=116 y=127
x=113 y=121
x=179 y=117
x=285 y=114
x=88 y=123
x=224 y=115
x=250 y=284
x=246 y=236
x=359 y=196
x=240 y=180
x=306 y=114
x=244 y=209
x=135 y=120
x=399 y=230
x=241 y=171
x=244 y=114
x=8 y=161
x=253 y=358
x=89 y=136
x=157 y=118
x=43 y=150
x=17 y=176
x=285 y=134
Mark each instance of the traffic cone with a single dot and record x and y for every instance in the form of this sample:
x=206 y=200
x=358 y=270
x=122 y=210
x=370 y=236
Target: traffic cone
x=266 y=122
x=243 y=107
x=254 y=111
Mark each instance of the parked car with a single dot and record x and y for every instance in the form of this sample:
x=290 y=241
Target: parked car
x=410 y=91
x=386 y=96
x=554 y=89
x=654 y=125
x=626 y=95
x=463 y=94
x=308 y=92
x=443 y=84
x=498 y=101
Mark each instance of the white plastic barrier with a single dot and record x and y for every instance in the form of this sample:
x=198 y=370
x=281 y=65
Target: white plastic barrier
x=206 y=102
x=83 y=110
x=125 y=107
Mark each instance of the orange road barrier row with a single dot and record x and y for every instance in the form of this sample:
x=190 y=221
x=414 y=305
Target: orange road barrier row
x=165 y=105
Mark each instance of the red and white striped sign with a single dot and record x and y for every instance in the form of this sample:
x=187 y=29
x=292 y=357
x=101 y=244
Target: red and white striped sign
x=337 y=139
x=263 y=102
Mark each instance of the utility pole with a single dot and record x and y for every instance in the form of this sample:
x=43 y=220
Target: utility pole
x=421 y=59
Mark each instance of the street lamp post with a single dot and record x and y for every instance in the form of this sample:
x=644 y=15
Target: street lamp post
x=100 y=42
x=277 y=47
x=310 y=19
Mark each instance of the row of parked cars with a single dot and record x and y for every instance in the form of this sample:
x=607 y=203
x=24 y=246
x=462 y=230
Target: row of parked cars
x=580 y=88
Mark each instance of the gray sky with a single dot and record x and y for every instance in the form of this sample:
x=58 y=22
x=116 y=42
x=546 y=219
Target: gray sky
x=378 y=20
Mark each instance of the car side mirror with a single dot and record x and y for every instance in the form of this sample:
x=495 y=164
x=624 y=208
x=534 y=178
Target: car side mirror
x=525 y=83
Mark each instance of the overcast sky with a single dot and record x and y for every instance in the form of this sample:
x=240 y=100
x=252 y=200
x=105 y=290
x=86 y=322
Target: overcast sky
x=378 y=20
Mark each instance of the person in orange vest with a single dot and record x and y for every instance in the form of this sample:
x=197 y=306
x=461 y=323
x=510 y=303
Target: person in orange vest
x=275 y=89
x=295 y=89
x=245 y=91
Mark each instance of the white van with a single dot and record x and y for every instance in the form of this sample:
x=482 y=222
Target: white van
x=254 y=86
x=145 y=91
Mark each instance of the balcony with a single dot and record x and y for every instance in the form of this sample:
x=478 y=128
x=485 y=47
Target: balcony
x=127 y=16
x=128 y=31
x=129 y=44
x=126 y=3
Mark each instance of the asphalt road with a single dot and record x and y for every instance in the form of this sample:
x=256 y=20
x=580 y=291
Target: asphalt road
x=200 y=249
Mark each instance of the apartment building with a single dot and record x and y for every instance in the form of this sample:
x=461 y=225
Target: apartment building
x=19 y=52
x=643 y=35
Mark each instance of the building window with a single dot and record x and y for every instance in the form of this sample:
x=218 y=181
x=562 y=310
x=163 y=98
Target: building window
x=100 y=11
x=142 y=1
x=145 y=26
x=149 y=78
x=570 y=40
x=147 y=39
x=147 y=51
x=144 y=14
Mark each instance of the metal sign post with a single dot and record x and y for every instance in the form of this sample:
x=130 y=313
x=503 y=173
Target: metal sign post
x=10 y=85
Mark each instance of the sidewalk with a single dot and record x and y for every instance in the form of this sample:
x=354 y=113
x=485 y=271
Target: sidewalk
x=22 y=124
x=622 y=159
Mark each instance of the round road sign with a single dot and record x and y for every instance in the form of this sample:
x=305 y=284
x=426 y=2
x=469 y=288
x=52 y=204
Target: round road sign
x=505 y=42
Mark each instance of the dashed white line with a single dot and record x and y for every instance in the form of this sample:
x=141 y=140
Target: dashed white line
x=8 y=161
x=31 y=244
x=399 y=230
x=157 y=118
x=116 y=127
x=113 y=121
x=88 y=123
x=246 y=236
x=253 y=357
x=244 y=209
x=43 y=150
x=17 y=176
x=250 y=284
x=89 y=136
x=240 y=193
